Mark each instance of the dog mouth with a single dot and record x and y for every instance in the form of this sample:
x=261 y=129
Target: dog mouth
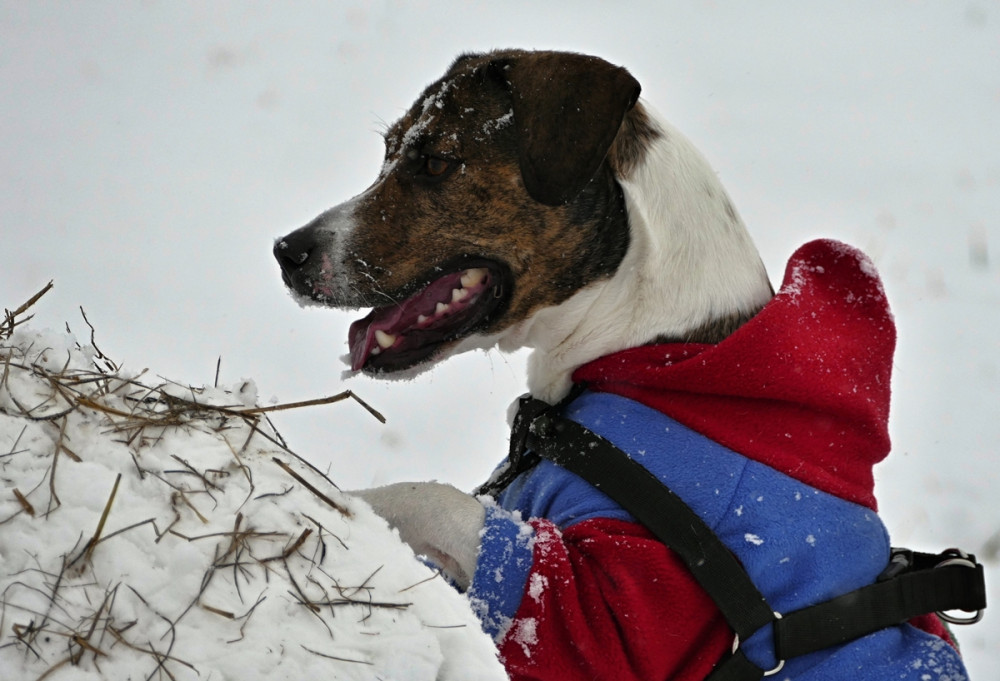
x=449 y=308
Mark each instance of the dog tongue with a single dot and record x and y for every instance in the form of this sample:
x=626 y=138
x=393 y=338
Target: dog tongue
x=398 y=318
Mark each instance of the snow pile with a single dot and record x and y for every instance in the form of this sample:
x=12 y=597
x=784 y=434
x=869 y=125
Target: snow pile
x=153 y=530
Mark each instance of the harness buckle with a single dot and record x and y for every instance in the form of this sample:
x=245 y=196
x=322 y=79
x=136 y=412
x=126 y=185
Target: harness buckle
x=963 y=559
x=900 y=561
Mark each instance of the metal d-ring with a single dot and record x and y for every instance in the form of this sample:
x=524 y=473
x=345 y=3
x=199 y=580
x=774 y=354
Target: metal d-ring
x=781 y=663
x=960 y=558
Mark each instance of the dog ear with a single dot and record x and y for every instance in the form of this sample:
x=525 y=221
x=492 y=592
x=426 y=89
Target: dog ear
x=567 y=110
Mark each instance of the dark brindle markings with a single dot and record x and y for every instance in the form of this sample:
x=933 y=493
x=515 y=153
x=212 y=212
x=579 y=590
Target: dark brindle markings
x=412 y=221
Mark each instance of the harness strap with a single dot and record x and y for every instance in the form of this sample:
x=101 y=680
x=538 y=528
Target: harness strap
x=913 y=584
x=656 y=506
x=927 y=583
x=522 y=458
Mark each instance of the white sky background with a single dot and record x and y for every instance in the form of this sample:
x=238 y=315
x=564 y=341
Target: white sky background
x=151 y=152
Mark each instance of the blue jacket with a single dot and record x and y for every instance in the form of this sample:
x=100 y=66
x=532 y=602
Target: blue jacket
x=800 y=545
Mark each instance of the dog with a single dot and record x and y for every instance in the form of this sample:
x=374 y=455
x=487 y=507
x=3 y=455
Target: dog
x=532 y=199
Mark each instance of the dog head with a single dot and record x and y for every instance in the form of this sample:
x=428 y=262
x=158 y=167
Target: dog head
x=504 y=214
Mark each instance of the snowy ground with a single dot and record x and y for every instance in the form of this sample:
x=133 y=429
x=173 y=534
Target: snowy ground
x=161 y=530
x=152 y=151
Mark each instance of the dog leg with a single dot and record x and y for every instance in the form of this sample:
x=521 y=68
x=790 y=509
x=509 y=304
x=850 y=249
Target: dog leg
x=436 y=520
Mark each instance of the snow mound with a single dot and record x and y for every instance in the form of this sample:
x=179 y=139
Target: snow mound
x=153 y=530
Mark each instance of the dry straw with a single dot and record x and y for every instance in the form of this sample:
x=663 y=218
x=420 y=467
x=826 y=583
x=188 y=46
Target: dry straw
x=138 y=413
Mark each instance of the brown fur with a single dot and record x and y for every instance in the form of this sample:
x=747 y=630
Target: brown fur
x=511 y=161
x=629 y=148
x=713 y=331
x=413 y=223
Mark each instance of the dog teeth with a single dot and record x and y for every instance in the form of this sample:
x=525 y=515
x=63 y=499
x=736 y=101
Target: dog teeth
x=422 y=318
x=473 y=277
x=458 y=295
x=441 y=308
x=384 y=340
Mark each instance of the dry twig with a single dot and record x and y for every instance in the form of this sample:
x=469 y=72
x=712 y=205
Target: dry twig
x=25 y=504
x=305 y=483
x=88 y=550
x=11 y=321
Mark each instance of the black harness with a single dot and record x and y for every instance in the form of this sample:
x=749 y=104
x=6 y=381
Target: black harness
x=912 y=584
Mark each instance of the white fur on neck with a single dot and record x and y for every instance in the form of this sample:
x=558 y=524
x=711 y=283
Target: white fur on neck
x=690 y=261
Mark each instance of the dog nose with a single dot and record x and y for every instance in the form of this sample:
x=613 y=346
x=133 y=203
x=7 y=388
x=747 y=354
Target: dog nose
x=293 y=251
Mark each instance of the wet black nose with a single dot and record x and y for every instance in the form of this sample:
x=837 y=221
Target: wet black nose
x=293 y=251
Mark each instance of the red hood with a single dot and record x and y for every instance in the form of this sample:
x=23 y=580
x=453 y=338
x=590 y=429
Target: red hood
x=803 y=387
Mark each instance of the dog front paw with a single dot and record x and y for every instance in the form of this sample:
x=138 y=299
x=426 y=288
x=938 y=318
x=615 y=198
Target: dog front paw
x=437 y=520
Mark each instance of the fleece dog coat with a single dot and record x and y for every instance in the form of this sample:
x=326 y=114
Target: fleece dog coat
x=771 y=437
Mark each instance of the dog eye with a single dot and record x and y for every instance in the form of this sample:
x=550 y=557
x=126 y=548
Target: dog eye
x=435 y=166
